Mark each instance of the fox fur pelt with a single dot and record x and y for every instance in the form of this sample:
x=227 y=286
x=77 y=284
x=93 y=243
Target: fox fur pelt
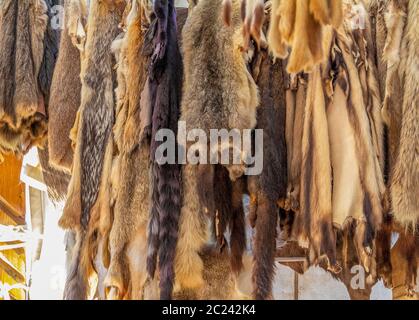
x=64 y=104
x=23 y=71
x=218 y=92
x=94 y=125
x=269 y=188
x=130 y=178
x=300 y=24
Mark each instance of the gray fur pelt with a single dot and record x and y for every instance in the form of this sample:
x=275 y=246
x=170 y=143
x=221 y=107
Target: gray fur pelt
x=83 y=211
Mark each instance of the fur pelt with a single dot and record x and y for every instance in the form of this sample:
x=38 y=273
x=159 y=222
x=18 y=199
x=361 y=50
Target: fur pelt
x=300 y=25
x=129 y=168
x=405 y=172
x=268 y=189
x=218 y=92
x=23 y=26
x=55 y=180
x=252 y=14
x=83 y=208
x=348 y=155
x=165 y=82
x=220 y=283
x=64 y=104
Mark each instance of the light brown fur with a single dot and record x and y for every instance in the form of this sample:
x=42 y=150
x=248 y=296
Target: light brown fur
x=203 y=49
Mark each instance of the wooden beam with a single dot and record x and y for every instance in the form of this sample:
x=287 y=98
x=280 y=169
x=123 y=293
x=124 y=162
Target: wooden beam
x=11 y=212
x=11 y=270
x=14 y=247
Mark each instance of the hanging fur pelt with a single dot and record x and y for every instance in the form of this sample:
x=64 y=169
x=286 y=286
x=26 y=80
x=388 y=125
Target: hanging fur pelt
x=252 y=14
x=129 y=168
x=94 y=125
x=64 y=104
x=23 y=26
x=218 y=93
x=268 y=189
x=405 y=172
x=300 y=24
x=165 y=83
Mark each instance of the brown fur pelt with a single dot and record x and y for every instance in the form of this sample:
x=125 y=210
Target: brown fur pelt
x=269 y=188
x=300 y=24
x=23 y=28
x=64 y=104
x=253 y=14
x=218 y=93
x=349 y=154
x=130 y=166
x=165 y=89
x=55 y=180
x=89 y=181
x=405 y=172
x=405 y=262
x=313 y=223
x=220 y=283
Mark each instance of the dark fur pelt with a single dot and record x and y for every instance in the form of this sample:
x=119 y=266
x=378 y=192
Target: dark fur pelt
x=82 y=211
x=51 y=45
x=165 y=81
x=63 y=104
x=23 y=26
x=267 y=189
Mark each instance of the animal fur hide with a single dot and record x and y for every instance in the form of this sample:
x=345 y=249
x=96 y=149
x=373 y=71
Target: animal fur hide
x=94 y=125
x=165 y=81
x=300 y=25
x=252 y=12
x=23 y=68
x=341 y=175
x=220 y=283
x=130 y=178
x=405 y=172
x=269 y=188
x=64 y=104
x=218 y=93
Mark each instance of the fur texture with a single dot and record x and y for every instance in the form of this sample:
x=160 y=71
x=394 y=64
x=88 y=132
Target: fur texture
x=165 y=81
x=64 y=104
x=405 y=175
x=129 y=168
x=23 y=85
x=83 y=207
x=300 y=24
x=269 y=188
x=215 y=71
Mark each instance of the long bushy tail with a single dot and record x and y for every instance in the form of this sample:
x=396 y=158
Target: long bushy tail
x=165 y=83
